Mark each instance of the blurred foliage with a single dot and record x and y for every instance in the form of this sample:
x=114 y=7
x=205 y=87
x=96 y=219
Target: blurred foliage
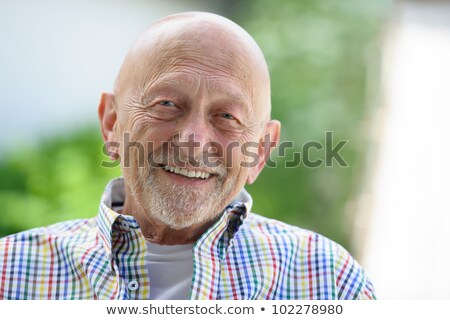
x=60 y=179
x=318 y=53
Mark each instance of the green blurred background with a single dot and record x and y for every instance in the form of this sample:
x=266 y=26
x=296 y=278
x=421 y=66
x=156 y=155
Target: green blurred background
x=323 y=58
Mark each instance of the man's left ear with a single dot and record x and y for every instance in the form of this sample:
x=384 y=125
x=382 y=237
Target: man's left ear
x=269 y=141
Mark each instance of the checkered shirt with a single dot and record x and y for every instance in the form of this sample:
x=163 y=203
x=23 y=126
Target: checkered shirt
x=242 y=256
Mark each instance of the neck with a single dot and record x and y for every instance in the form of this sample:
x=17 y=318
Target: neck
x=157 y=232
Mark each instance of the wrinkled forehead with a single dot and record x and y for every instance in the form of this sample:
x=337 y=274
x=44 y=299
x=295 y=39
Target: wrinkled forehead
x=200 y=57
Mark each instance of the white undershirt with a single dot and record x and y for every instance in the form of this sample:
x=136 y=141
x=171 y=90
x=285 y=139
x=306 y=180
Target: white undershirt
x=171 y=270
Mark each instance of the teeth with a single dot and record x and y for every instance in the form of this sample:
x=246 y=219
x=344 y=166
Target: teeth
x=187 y=173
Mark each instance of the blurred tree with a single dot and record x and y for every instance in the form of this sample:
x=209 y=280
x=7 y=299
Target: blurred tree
x=57 y=180
x=319 y=53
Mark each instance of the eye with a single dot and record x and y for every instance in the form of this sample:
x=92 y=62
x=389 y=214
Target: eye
x=227 y=116
x=166 y=103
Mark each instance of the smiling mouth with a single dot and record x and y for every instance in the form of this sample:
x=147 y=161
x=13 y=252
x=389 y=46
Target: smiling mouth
x=187 y=173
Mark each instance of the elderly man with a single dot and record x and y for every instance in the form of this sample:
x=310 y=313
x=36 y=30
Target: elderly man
x=192 y=91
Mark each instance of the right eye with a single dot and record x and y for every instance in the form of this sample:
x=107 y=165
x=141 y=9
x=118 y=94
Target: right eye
x=166 y=103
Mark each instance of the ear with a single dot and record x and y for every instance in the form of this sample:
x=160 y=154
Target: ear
x=108 y=118
x=269 y=141
x=107 y=115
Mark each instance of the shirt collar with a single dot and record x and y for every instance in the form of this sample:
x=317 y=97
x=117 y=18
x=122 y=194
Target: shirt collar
x=109 y=221
x=217 y=238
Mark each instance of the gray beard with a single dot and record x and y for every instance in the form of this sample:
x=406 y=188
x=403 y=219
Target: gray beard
x=178 y=206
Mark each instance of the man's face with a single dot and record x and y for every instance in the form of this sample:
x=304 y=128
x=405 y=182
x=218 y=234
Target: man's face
x=191 y=112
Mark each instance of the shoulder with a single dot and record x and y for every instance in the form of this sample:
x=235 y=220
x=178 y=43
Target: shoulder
x=275 y=230
x=311 y=253
x=44 y=238
x=33 y=259
x=292 y=237
x=61 y=229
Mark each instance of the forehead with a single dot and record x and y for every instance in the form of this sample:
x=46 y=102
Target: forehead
x=209 y=48
x=201 y=58
x=188 y=81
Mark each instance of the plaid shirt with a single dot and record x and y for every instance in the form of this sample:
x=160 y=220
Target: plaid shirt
x=242 y=256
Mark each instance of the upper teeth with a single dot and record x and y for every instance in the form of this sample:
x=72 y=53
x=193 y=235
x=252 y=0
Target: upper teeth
x=187 y=173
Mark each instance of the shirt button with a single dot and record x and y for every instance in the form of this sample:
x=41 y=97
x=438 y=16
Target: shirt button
x=133 y=285
x=125 y=226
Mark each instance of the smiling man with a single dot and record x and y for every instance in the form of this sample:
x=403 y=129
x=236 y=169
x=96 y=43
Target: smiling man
x=189 y=120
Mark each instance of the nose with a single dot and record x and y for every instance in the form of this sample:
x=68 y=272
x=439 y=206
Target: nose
x=192 y=141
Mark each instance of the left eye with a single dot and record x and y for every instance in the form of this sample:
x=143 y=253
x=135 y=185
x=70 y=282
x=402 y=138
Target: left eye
x=227 y=116
x=167 y=103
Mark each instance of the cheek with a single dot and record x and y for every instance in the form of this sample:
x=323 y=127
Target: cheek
x=146 y=130
x=234 y=158
x=138 y=138
x=241 y=153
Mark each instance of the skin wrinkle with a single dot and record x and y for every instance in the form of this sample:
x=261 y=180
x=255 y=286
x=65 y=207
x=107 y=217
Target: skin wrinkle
x=205 y=66
x=185 y=67
x=143 y=102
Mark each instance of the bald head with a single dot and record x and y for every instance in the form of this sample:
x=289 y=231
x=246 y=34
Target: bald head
x=196 y=42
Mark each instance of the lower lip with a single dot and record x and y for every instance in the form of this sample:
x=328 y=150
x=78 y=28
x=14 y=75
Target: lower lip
x=187 y=181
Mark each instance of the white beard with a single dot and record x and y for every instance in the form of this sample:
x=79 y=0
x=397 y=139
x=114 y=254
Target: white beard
x=179 y=206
